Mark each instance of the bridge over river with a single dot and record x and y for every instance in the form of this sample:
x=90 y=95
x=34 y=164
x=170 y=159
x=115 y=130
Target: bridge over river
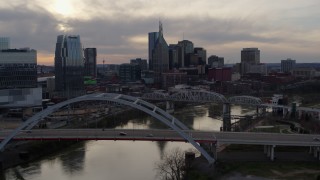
x=178 y=132
x=268 y=140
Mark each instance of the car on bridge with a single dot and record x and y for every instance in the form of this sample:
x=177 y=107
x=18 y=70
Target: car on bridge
x=122 y=134
x=149 y=135
x=316 y=139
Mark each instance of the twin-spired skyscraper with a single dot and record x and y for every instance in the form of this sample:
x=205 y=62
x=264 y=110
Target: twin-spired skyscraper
x=69 y=66
x=159 y=50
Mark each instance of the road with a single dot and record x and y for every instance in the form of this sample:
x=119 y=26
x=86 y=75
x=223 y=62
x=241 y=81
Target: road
x=167 y=135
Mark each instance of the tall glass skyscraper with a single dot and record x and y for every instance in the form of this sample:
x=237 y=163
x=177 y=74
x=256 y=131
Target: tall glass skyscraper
x=69 y=66
x=152 y=37
x=160 y=57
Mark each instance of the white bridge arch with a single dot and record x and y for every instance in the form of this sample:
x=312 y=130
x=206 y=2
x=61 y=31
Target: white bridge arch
x=133 y=102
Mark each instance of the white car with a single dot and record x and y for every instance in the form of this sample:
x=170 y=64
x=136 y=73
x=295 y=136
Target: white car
x=122 y=134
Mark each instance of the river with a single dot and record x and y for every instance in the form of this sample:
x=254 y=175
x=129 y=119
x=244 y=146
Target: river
x=117 y=160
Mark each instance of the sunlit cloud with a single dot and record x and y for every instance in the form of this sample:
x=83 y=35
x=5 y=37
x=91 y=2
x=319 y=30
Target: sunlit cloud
x=119 y=29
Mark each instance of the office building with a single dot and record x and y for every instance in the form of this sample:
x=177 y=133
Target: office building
x=141 y=62
x=215 y=61
x=152 y=39
x=172 y=79
x=258 y=69
x=18 y=68
x=90 y=62
x=4 y=43
x=173 y=56
x=250 y=55
x=287 y=65
x=202 y=54
x=220 y=74
x=18 y=77
x=69 y=66
x=184 y=50
x=160 y=57
x=129 y=72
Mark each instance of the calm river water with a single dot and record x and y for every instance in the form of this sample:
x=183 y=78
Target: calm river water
x=117 y=160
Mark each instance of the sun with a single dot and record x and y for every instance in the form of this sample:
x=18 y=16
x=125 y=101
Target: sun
x=63 y=7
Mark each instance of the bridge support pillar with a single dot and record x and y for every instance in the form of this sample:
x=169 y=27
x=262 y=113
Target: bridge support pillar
x=284 y=112
x=272 y=152
x=226 y=117
x=299 y=114
x=169 y=107
x=310 y=149
x=315 y=152
x=268 y=151
x=213 y=150
x=265 y=149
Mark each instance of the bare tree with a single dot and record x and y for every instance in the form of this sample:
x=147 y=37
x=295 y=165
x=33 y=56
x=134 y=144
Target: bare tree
x=171 y=167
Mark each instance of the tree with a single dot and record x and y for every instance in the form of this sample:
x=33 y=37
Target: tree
x=172 y=165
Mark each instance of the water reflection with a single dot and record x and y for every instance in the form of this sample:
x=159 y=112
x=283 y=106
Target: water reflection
x=73 y=161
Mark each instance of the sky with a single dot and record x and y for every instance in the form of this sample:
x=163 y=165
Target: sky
x=119 y=29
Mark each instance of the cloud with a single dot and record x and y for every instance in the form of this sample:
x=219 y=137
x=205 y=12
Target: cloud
x=118 y=29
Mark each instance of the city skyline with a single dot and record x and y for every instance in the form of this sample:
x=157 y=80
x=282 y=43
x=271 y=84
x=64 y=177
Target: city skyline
x=119 y=30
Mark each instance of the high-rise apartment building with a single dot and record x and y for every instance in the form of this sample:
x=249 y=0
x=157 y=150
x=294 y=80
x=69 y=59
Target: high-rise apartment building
x=90 y=62
x=69 y=66
x=152 y=39
x=160 y=57
x=287 y=65
x=4 y=43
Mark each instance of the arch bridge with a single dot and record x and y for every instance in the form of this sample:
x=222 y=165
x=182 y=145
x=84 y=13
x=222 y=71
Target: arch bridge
x=133 y=102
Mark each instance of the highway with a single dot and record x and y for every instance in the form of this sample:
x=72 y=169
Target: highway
x=167 y=135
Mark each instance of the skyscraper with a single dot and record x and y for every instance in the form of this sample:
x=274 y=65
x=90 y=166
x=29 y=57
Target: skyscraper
x=287 y=65
x=18 y=77
x=90 y=62
x=18 y=68
x=152 y=38
x=69 y=66
x=4 y=43
x=202 y=54
x=141 y=62
x=160 y=57
x=185 y=49
x=215 y=61
x=249 y=56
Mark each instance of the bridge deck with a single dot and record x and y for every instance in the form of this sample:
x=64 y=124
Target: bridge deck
x=167 y=135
